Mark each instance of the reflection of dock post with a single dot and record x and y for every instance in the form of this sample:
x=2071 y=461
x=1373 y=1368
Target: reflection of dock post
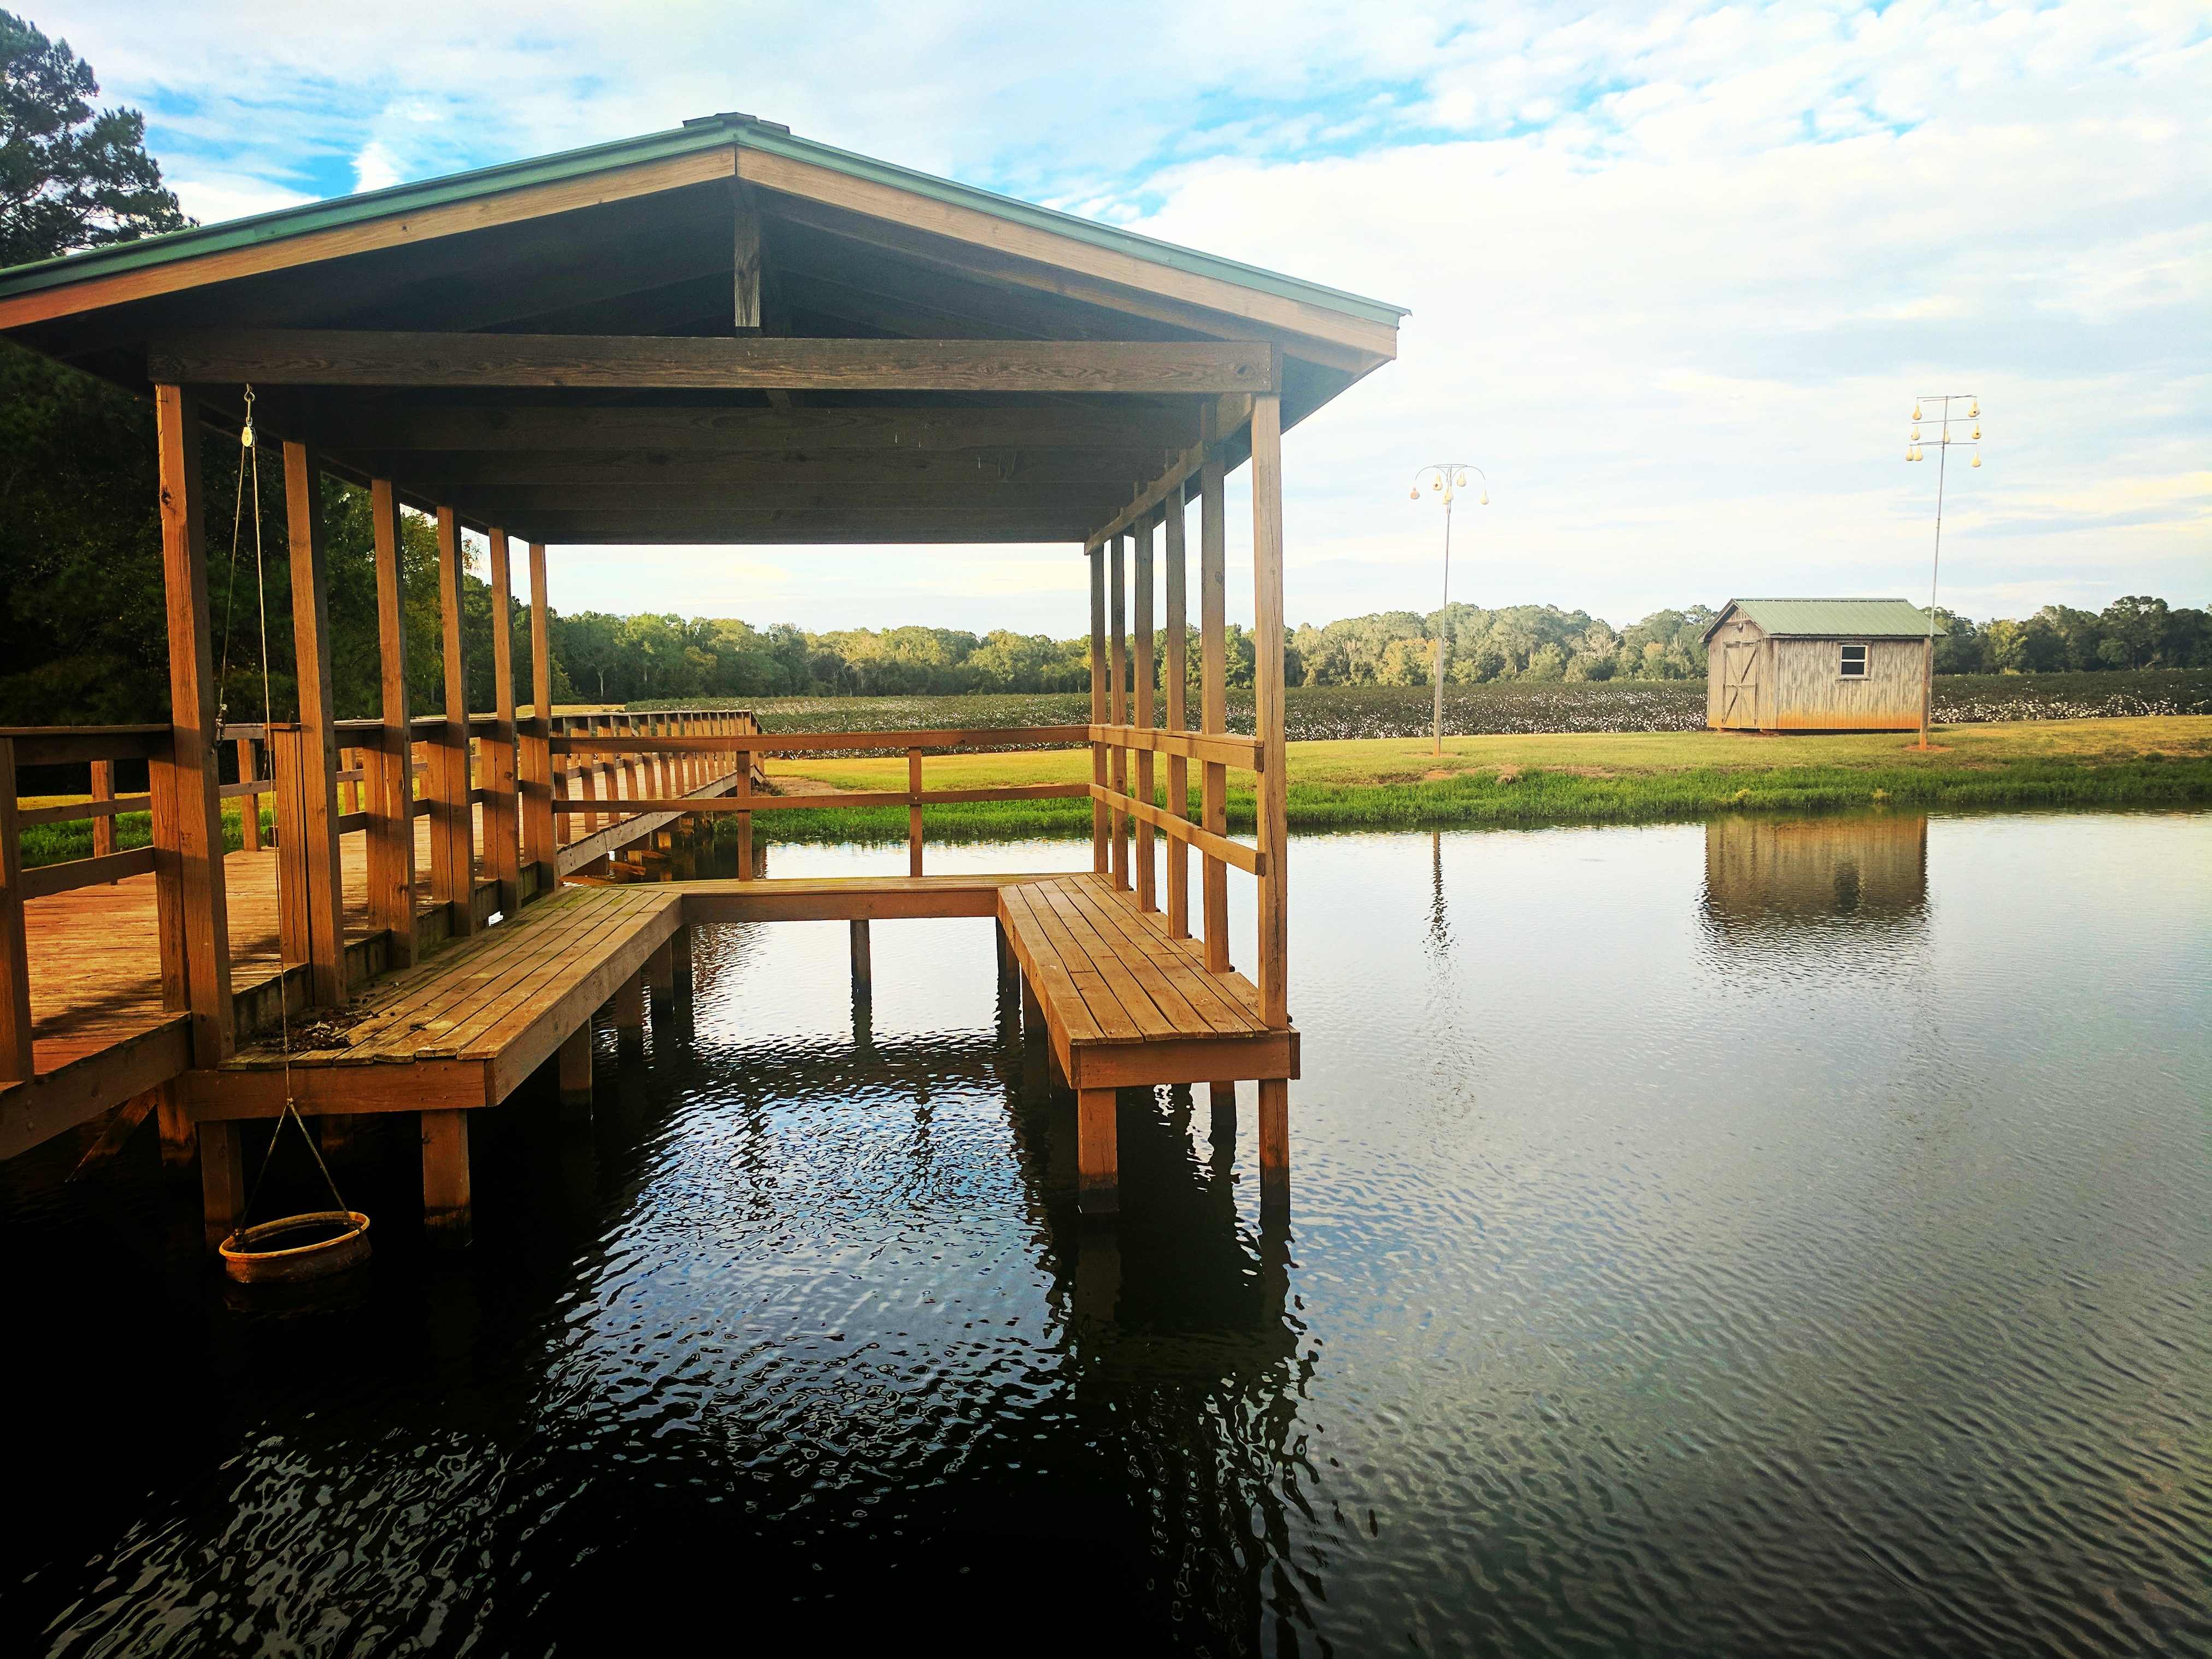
x=446 y=1208
x=1097 y=1174
x=1098 y=1272
x=863 y=970
x=1222 y=1099
x=660 y=972
x=1275 y=1142
x=1036 y=1043
x=576 y=1074
x=628 y=1004
x=223 y=1179
x=679 y=956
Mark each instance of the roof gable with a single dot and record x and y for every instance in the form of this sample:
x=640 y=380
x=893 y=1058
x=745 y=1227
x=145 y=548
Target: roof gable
x=1829 y=618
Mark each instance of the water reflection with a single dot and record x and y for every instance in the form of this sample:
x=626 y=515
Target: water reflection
x=1762 y=873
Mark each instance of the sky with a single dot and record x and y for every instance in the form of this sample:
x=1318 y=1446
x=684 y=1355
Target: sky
x=1677 y=274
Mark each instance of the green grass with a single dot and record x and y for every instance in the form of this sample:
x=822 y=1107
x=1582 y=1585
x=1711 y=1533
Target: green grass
x=54 y=843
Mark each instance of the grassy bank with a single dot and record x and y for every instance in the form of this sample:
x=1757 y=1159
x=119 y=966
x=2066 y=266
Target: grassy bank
x=1396 y=783
x=52 y=843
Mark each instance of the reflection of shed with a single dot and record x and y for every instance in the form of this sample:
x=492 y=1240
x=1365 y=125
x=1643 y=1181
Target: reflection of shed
x=1759 y=873
x=1815 y=665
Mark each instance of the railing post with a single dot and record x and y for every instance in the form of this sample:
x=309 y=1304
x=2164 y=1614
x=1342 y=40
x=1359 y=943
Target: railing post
x=540 y=837
x=1100 y=862
x=17 y=1065
x=190 y=901
x=453 y=827
x=390 y=847
x=1178 y=854
x=914 y=811
x=1213 y=682
x=1117 y=696
x=103 y=789
x=745 y=819
x=249 y=806
x=1148 y=896
x=564 y=769
x=502 y=803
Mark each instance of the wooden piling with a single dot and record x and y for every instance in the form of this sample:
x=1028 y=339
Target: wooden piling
x=447 y=1219
x=660 y=972
x=575 y=1064
x=180 y=1143
x=312 y=853
x=223 y=1180
x=864 y=974
x=680 y=951
x=1272 y=969
x=1097 y=1177
x=1274 y=1141
x=390 y=847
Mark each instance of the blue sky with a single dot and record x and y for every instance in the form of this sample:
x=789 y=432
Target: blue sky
x=1676 y=274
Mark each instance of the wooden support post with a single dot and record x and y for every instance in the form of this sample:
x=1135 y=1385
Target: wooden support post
x=174 y=1125
x=1221 y=1097
x=334 y=1130
x=539 y=845
x=680 y=946
x=502 y=798
x=1117 y=694
x=1267 y=707
x=288 y=752
x=194 y=915
x=1100 y=859
x=1178 y=713
x=447 y=1214
x=629 y=1012
x=1148 y=896
x=1275 y=1142
x=103 y=789
x=17 y=1065
x=314 y=856
x=660 y=972
x=914 y=813
x=452 y=828
x=587 y=777
x=575 y=1064
x=1213 y=682
x=1097 y=1171
x=745 y=819
x=864 y=973
x=564 y=772
x=390 y=848
x=249 y=806
x=223 y=1180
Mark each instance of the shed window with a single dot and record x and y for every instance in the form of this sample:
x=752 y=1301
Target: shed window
x=1853 y=664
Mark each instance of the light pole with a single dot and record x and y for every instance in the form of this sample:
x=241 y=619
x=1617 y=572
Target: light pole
x=1944 y=440
x=1448 y=478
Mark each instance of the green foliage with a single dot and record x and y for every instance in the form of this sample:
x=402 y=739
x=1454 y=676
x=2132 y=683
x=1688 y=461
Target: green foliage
x=69 y=178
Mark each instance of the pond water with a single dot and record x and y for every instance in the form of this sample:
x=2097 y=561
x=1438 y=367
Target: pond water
x=1731 y=1238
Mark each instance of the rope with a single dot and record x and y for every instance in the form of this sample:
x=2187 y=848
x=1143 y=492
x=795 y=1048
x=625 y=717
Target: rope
x=252 y=460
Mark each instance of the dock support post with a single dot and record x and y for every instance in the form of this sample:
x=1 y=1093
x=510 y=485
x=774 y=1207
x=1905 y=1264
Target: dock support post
x=502 y=814
x=447 y=1218
x=679 y=957
x=540 y=839
x=1271 y=971
x=1097 y=1171
x=1174 y=673
x=1275 y=1142
x=1222 y=1097
x=1036 y=1047
x=452 y=824
x=1213 y=679
x=576 y=1063
x=311 y=850
x=190 y=906
x=1117 y=695
x=660 y=971
x=1140 y=629
x=864 y=974
x=628 y=1002
x=223 y=1181
x=1099 y=862
x=390 y=835
x=174 y=1125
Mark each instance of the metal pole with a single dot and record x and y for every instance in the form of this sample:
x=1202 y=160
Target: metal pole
x=1935 y=565
x=1442 y=622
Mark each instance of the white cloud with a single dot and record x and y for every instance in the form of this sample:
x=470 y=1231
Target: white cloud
x=213 y=199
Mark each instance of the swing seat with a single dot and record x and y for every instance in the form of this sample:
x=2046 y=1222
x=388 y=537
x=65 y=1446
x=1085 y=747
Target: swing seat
x=334 y=1240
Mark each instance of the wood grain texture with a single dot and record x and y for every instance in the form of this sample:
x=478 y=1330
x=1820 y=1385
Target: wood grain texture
x=1213 y=687
x=1174 y=678
x=390 y=849
x=502 y=817
x=452 y=831
x=361 y=357
x=1267 y=705
x=314 y=750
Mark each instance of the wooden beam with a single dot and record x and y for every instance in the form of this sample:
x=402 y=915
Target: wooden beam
x=1174 y=675
x=745 y=243
x=390 y=844
x=321 y=906
x=795 y=466
x=383 y=425
x=453 y=827
x=888 y=526
x=793 y=743
x=1214 y=689
x=540 y=842
x=1268 y=704
x=403 y=229
x=193 y=917
x=1229 y=416
x=980 y=494
x=361 y=357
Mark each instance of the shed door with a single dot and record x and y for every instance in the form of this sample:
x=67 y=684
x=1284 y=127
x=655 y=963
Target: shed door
x=1740 y=684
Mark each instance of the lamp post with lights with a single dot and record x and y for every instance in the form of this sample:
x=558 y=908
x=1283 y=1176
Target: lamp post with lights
x=1446 y=478
x=1944 y=441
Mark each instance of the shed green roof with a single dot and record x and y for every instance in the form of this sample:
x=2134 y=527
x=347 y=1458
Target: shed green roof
x=1831 y=619
x=701 y=133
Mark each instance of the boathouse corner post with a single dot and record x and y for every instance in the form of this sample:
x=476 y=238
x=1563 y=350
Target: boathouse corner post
x=452 y=830
x=193 y=917
x=1099 y=857
x=391 y=764
x=540 y=842
x=1273 y=786
x=317 y=911
x=1117 y=698
x=1148 y=896
x=1178 y=713
x=502 y=805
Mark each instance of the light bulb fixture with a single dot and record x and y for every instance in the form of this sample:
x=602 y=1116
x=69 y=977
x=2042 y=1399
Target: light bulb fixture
x=1977 y=459
x=1915 y=412
x=1416 y=492
x=1975 y=413
x=1978 y=434
x=1916 y=434
x=1461 y=480
x=1485 y=497
x=1436 y=482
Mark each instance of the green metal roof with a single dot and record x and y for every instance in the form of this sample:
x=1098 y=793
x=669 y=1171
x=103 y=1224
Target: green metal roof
x=703 y=133
x=1832 y=618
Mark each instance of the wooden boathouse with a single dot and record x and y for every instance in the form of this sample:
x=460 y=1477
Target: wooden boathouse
x=1816 y=666
x=722 y=335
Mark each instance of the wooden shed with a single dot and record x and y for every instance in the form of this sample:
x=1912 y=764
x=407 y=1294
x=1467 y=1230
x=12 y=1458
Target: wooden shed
x=1815 y=665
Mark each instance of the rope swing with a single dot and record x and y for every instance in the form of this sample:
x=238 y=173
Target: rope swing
x=256 y=1253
